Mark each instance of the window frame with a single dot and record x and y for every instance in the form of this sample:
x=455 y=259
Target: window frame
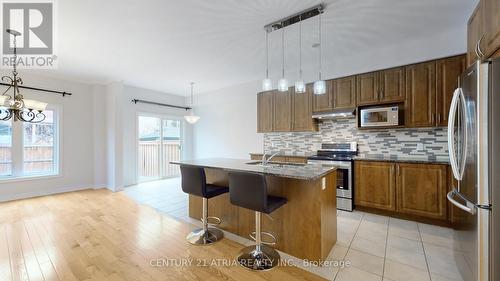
x=18 y=151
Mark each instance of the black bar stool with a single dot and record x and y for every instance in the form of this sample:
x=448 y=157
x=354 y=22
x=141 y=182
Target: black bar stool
x=249 y=190
x=194 y=182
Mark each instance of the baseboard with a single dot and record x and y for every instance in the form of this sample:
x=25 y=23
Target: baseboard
x=39 y=193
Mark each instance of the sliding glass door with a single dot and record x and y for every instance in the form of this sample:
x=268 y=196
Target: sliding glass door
x=159 y=142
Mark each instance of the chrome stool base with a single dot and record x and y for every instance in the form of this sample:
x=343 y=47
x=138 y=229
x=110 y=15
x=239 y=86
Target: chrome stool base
x=201 y=237
x=262 y=260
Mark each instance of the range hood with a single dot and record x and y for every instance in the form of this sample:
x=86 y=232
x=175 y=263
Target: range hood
x=335 y=114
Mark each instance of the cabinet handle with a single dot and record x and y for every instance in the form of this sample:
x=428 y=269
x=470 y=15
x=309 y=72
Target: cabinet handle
x=397 y=170
x=439 y=118
x=432 y=118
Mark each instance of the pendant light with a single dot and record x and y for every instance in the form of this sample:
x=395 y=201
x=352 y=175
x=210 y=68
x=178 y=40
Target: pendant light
x=267 y=84
x=300 y=86
x=319 y=85
x=283 y=82
x=192 y=118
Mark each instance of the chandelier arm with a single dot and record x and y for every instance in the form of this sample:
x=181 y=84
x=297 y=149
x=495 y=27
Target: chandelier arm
x=8 y=114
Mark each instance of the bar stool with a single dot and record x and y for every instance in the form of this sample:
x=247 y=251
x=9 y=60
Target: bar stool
x=194 y=182
x=249 y=190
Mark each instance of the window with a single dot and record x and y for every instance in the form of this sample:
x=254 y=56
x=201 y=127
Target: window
x=29 y=149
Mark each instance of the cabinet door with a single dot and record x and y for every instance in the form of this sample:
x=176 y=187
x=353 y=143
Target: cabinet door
x=367 y=88
x=302 y=111
x=265 y=112
x=324 y=102
x=282 y=111
x=474 y=33
x=375 y=185
x=421 y=190
x=392 y=85
x=344 y=92
x=421 y=95
x=447 y=73
x=491 y=10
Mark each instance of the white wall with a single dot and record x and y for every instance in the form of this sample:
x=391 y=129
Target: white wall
x=228 y=123
x=77 y=140
x=228 y=116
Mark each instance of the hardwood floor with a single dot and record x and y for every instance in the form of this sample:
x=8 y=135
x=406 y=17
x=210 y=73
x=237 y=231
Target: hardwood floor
x=100 y=235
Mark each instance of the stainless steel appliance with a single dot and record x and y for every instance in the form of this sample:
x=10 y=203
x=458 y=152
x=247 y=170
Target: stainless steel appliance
x=339 y=155
x=336 y=114
x=380 y=116
x=474 y=147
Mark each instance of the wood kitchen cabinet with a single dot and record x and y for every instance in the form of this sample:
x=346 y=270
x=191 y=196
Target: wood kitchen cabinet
x=448 y=71
x=420 y=104
x=344 y=93
x=381 y=87
x=324 y=102
x=265 y=111
x=483 y=31
x=282 y=111
x=409 y=190
x=375 y=185
x=474 y=33
x=392 y=85
x=421 y=190
x=302 y=111
x=367 y=88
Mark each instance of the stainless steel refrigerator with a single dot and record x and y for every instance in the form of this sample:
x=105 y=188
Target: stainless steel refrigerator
x=474 y=147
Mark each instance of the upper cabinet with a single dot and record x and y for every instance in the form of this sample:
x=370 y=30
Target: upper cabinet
x=282 y=111
x=392 y=85
x=421 y=95
x=285 y=111
x=379 y=87
x=265 y=111
x=302 y=111
x=448 y=72
x=367 y=88
x=344 y=92
x=324 y=102
x=483 y=31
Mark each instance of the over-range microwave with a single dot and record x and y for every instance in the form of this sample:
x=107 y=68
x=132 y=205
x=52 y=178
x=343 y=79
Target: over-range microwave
x=381 y=116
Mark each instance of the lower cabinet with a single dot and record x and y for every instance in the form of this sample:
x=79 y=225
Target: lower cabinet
x=375 y=185
x=421 y=190
x=406 y=189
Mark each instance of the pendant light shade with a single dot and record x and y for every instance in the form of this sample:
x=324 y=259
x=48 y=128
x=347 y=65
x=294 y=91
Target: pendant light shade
x=283 y=82
x=319 y=85
x=192 y=118
x=300 y=87
x=267 y=84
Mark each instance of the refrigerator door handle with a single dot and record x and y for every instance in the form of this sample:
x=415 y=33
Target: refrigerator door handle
x=451 y=134
x=470 y=208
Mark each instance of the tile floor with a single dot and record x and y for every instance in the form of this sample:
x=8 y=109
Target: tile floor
x=377 y=247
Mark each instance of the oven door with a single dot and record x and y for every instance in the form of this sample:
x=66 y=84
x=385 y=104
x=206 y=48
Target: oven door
x=344 y=182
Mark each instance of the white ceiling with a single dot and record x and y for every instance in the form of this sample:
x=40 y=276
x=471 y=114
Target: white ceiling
x=164 y=44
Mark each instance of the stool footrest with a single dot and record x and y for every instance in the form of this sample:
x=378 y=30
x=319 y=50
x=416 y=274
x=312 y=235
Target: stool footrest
x=217 y=221
x=273 y=242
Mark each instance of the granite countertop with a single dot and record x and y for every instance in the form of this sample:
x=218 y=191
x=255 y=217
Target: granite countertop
x=289 y=154
x=295 y=171
x=413 y=159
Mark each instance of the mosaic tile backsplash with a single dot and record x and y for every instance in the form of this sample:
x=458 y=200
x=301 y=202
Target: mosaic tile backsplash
x=385 y=143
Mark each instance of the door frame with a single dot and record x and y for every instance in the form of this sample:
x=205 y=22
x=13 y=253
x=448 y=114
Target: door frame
x=161 y=117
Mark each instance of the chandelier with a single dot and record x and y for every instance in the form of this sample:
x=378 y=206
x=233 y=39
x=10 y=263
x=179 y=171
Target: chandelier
x=15 y=105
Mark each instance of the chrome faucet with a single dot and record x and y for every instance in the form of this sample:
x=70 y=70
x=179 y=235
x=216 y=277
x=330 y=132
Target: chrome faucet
x=266 y=160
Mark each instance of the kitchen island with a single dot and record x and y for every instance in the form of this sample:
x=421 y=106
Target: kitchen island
x=305 y=227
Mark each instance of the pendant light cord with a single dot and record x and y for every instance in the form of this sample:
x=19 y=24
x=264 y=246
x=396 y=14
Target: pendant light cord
x=192 y=84
x=300 y=49
x=283 y=52
x=320 y=45
x=267 y=54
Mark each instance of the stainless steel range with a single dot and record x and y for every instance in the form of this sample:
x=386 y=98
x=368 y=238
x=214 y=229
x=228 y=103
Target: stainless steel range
x=340 y=155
